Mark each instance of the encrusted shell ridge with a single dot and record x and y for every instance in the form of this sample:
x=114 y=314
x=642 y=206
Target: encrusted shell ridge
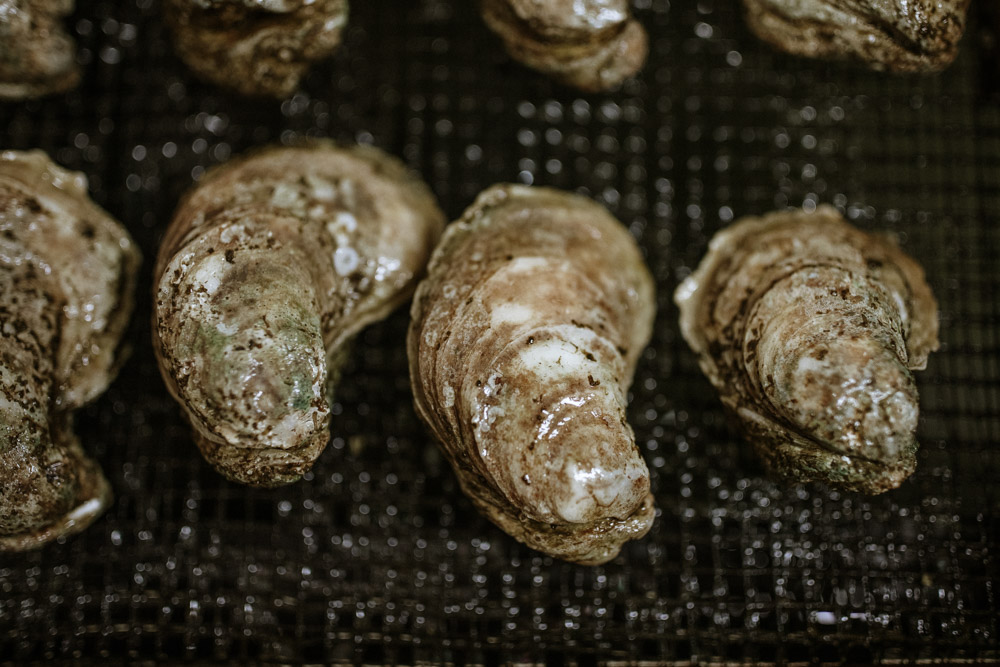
x=523 y=340
x=269 y=268
x=67 y=274
x=810 y=329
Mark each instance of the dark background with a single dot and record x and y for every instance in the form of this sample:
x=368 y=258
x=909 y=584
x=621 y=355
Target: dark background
x=375 y=556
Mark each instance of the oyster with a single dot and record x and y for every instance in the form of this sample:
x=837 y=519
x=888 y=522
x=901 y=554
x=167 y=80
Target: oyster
x=269 y=267
x=255 y=47
x=67 y=274
x=523 y=341
x=593 y=45
x=896 y=35
x=37 y=57
x=809 y=329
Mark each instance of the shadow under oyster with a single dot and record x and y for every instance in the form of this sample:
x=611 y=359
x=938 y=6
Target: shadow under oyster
x=809 y=329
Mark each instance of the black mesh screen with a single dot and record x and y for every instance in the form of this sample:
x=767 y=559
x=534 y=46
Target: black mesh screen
x=375 y=557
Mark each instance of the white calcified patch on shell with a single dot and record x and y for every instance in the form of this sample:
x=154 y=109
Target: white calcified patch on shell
x=37 y=57
x=524 y=338
x=593 y=45
x=896 y=35
x=809 y=329
x=67 y=274
x=269 y=267
x=256 y=47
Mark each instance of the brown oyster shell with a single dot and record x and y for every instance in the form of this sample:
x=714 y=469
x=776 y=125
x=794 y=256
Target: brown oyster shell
x=67 y=274
x=593 y=45
x=269 y=267
x=37 y=57
x=255 y=47
x=523 y=341
x=894 y=35
x=809 y=329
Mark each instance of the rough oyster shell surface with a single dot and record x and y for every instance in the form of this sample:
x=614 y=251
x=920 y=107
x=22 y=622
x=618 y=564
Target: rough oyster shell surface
x=37 y=57
x=809 y=329
x=269 y=267
x=255 y=47
x=67 y=274
x=523 y=341
x=895 y=35
x=592 y=45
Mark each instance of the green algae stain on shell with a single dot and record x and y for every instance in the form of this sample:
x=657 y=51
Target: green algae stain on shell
x=269 y=268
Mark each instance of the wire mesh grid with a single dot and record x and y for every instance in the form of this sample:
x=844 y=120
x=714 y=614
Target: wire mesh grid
x=375 y=557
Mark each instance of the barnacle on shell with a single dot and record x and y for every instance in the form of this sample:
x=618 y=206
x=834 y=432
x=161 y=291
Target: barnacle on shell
x=67 y=274
x=895 y=35
x=593 y=45
x=37 y=57
x=523 y=341
x=270 y=266
x=255 y=47
x=809 y=329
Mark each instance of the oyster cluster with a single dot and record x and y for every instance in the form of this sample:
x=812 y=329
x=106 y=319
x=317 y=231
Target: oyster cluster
x=810 y=329
x=526 y=332
x=67 y=274
x=37 y=57
x=523 y=341
x=592 y=45
x=895 y=35
x=255 y=47
x=269 y=267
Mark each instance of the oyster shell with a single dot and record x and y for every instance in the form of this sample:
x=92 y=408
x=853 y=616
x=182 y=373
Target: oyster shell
x=896 y=35
x=37 y=57
x=523 y=341
x=809 y=329
x=255 y=47
x=593 y=45
x=67 y=275
x=270 y=265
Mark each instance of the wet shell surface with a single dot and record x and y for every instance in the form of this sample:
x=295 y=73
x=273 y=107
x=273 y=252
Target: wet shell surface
x=523 y=341
x=255 y=47
x=270 y=265
x=809 y=329
x=593 y=45
x=67 y=276
x=37 y=57
x=894 y=35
